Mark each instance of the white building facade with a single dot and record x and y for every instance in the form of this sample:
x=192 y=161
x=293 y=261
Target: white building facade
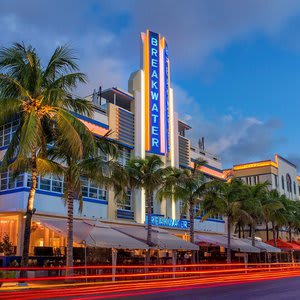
x=142 y=121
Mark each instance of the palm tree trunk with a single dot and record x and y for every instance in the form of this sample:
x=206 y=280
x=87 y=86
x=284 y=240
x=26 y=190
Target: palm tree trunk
x=274 y=234
x=149 y=224
x=253 y=234
x=29 y=213
x=267 y=230
x=69 y=254
x=250 y=230
x=239 y=228
x=290 y=232
x=228 y=240
x=192 y=230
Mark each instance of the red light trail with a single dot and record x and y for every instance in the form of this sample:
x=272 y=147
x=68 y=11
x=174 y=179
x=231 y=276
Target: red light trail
x=130 y=287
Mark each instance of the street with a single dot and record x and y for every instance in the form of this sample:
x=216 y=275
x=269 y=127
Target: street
x=281 y=289
x=285 y=286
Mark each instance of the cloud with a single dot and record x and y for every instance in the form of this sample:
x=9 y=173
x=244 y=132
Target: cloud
x=106 y=36
x=235 y=137
x=195 y=30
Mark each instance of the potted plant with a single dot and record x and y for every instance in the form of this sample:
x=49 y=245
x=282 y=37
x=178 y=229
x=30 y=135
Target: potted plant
x=7 y=246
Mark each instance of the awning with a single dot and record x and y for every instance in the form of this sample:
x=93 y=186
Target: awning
x=285 y=245
x=95 y=234
x=262 y=246
x=221 y=240
x=161 y=238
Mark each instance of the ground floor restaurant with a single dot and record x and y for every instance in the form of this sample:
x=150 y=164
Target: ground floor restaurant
x=100 y=243
x=94 y=242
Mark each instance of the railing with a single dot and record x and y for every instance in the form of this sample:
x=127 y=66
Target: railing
x=92 y=274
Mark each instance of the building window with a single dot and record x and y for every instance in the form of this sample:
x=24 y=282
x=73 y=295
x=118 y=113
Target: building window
x=124 y=156
x=50 y=183
x=197 y=209
x=127 y=203
x=182 y=210
x=152 y=208
x=288 y=183
x=282 y=182
x=103 y=155
x=276 y=180
x=91 y=190
x=295 y=188
x=8 y=182
x=7 y=131
x=254 y=180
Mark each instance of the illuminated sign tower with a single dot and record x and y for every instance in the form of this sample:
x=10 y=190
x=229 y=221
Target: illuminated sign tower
x=155 y=124
x=156 y=67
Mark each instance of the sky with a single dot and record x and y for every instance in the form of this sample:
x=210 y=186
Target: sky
x=235 y=65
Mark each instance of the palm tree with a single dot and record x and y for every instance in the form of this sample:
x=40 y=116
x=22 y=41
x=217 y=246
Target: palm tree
x=141 y=173
x=226 y=199
x=187 y=186
x=271 y=205
x=291 y=214
x=92 y=164
x=40 y=98
x=255 y=195
x=277 y=217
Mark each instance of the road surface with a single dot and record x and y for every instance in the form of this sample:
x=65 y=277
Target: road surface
x=280 y=289
x=286 y=286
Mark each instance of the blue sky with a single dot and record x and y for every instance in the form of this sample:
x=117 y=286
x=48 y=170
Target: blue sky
x=235 y=64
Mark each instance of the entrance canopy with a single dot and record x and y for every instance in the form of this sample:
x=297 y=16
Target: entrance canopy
x=285 y=245
x=262 y=246
x=161 y=238
x=94 y=234
x=221 y=240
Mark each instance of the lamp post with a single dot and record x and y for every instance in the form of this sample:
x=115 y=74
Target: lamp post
x=85 y=269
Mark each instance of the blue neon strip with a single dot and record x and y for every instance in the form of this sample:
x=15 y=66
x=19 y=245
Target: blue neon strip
x=166 y=68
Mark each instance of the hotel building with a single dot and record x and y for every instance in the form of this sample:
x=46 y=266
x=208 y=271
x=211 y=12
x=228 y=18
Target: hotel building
x=142 y=122
x=281 y=175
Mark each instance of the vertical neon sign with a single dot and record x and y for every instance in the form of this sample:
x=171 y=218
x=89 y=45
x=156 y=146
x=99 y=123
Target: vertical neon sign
x=154 y=96
x=157 y=84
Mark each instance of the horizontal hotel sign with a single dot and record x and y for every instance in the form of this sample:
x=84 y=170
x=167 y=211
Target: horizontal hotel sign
x=168 y=222
x=157 y=84
x=255 y=165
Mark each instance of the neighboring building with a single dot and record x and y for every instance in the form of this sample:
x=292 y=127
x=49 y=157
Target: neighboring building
x=142 y=122
x=281 y=175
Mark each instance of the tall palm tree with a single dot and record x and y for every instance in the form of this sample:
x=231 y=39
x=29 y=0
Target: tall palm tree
x=277 y=217
x=91 y=165
x=141 y=173
x=226 y=199
x=271 y=205
x=40 y=98
x=187 y=186
x=291 y=214
x=253 y=204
